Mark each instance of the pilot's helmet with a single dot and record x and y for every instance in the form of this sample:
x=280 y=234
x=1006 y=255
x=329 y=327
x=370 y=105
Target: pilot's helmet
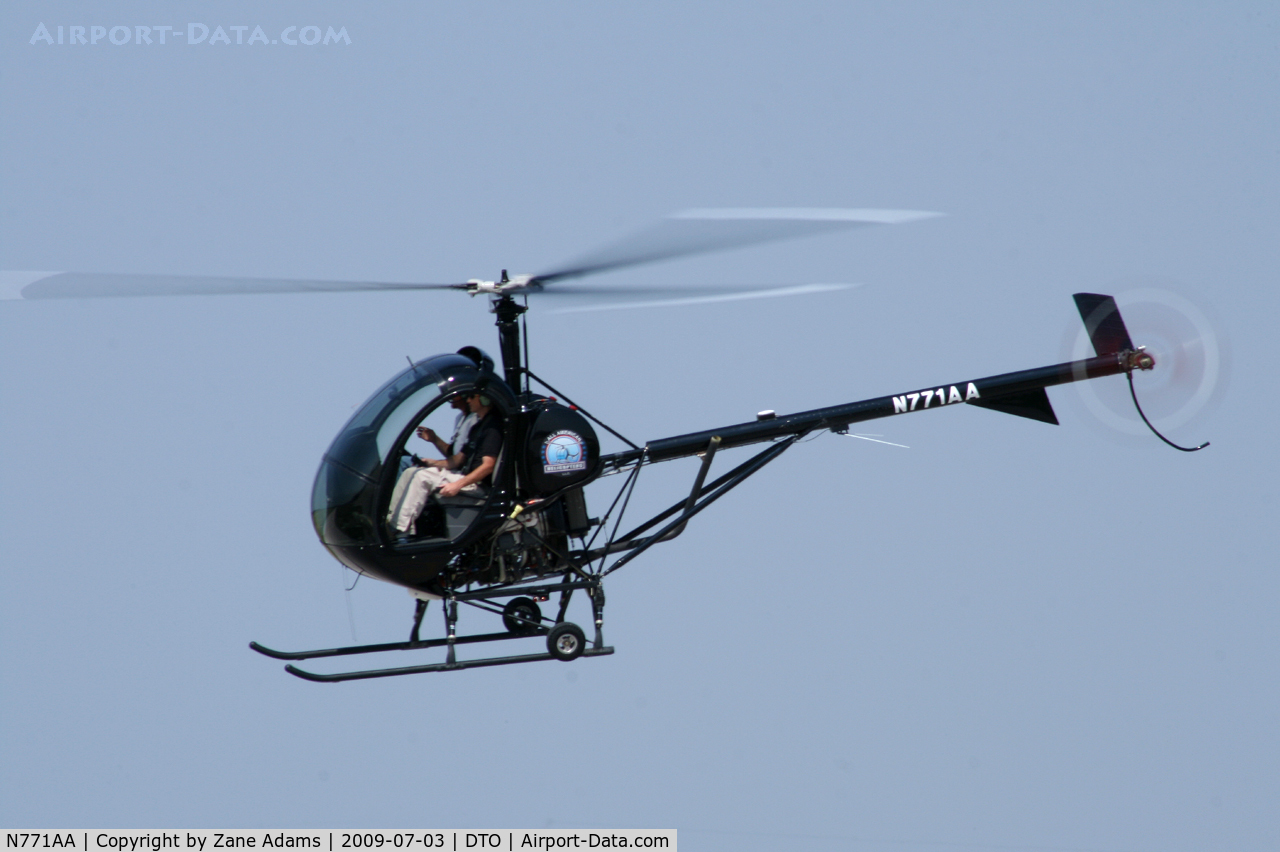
x=482 y=359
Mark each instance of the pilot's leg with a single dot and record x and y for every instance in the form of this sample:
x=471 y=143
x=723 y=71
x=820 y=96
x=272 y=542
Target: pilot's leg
x=397 y=494
x=407 y=501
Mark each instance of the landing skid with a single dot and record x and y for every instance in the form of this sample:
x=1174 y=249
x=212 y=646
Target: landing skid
x=521 y=616
x=387 y=646
x=437 y=667
x=456 y=664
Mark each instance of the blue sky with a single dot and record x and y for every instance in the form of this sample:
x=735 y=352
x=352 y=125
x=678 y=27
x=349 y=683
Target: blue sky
x=1009 y=636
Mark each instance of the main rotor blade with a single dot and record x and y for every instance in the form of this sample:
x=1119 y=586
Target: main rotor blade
x=700 y=231
x=88 y=285
x=722 y=296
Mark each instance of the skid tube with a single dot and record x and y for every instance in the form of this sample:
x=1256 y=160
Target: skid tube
x=437 y=667
x=478 y=598
x=388 y=646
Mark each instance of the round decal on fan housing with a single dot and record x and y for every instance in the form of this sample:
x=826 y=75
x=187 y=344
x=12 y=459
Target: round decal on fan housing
x=560 y=450
x=564 y=451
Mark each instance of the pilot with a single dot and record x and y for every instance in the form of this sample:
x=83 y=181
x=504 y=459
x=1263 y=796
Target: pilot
x=475 y=465
x=462 y=424
x=462 y=427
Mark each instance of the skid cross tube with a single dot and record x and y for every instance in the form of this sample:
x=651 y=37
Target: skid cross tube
x=840 y=416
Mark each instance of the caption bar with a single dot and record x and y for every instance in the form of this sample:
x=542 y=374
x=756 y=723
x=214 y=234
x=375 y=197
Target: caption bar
x=449 y=840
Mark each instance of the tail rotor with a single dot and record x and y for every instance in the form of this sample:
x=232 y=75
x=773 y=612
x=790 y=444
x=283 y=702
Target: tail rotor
x=1177 y=340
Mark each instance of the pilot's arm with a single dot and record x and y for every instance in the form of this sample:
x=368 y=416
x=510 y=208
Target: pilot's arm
x=426 y=433
x=449 y=462
x=486 y=466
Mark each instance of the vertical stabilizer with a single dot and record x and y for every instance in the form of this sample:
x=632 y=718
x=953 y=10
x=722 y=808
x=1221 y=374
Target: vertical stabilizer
x=1102 y=321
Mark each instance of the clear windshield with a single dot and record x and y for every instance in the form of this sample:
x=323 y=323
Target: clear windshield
x=367 y=439
x=371 y=450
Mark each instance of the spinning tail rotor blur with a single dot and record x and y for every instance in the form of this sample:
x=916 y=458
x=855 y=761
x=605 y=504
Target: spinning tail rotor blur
x=1191 y=366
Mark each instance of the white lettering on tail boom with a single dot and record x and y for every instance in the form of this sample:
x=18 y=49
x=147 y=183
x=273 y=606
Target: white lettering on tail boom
x=934 y=396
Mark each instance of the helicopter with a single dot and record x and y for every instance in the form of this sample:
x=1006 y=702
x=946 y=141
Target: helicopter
x=525 y=536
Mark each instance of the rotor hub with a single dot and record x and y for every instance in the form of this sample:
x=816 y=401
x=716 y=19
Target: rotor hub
x=1139 y=359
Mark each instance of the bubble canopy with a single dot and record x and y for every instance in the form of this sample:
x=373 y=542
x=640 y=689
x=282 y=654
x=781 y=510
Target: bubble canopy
x=359 y=470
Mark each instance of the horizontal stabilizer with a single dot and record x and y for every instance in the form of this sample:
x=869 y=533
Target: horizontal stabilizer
x=1033 y=404
x=1102 y=321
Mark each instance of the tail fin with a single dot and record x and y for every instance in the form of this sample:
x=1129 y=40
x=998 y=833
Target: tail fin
x=1033 y=404
x=1106 y=330
x=1102 y=321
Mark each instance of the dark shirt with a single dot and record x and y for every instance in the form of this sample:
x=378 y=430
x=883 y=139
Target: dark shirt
x=485 y=440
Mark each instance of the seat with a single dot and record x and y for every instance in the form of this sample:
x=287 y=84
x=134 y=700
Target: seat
x=460 y=511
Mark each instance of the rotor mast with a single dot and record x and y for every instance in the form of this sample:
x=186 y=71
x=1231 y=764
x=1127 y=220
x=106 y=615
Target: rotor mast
x=508 y=311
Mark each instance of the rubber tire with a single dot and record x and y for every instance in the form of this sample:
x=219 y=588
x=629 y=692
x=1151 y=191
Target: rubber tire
x=526 y=607
x=566 y=641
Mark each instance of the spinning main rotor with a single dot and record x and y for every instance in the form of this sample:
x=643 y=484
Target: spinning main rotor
x=683 y=234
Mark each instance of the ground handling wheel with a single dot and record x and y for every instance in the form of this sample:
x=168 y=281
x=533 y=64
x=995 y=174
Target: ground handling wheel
x=521 y=616
x=566 y=641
